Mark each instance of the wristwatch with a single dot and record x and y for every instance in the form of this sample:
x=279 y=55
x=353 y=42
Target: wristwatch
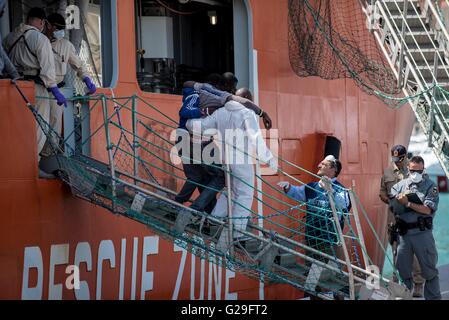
x=408 y=204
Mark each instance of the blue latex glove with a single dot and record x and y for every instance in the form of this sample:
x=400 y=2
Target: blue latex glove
x=90 y=85
x=61 y=100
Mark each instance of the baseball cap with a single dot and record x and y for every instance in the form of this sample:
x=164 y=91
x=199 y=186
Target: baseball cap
x=398 y=152
x=36 y=12
x=57 y=20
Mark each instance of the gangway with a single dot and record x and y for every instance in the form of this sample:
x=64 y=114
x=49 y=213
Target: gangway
x=414 y=38
x=129 y=172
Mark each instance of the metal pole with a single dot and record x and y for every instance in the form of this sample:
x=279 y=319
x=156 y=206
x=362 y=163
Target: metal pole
x=433 y=99
x=229 y=198
x=358 y=226
x=343 y=245
x=135 y=141
x=401 y=53
x=265 y=240
x=262 y=239
x=109 y=149
x=27 y=102
x=260 y=220
x=259 y=229
x=372 y=6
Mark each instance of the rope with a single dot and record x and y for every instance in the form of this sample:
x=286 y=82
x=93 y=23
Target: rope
x=301 y=221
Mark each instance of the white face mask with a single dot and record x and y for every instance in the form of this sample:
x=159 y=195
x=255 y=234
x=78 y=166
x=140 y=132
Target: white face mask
x=59 y=34
x=416 y=177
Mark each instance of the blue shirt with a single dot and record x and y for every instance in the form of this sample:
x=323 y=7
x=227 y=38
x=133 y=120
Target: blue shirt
x=319 y=217
x=190 y=107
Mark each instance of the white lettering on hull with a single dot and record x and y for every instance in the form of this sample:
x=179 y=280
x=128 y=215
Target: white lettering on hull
x=59 y=255
x=122 y=270
x=83 y=254
x=215 y=273
x=193 y=278
x=180 y=271
x=229 y=295
x=134 y=269
x=32 y=259
x=150 y=246
x=106 y=251
x=106 y=260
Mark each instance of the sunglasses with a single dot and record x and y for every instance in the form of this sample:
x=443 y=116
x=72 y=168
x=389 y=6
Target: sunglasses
x=417 y=171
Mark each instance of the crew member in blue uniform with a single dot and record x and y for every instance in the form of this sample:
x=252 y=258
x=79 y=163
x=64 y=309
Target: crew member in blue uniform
x=320 y=230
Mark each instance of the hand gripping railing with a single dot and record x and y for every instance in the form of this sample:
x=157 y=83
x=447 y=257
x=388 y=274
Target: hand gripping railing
x=137 y=181
x=284 y=231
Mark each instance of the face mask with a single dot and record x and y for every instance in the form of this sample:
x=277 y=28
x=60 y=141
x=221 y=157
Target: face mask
x=59 y=34
x=416 y=177
x=397 y=159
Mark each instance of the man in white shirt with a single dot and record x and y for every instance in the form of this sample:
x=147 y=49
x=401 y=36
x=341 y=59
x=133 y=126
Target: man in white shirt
x=234 y=120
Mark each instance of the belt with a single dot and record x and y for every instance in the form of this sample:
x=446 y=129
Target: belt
x=423 y=223
x=32 y=74
x=36 y=79
x=412 y=225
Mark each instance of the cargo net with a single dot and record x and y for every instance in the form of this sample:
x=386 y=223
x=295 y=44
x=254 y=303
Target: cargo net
x=314 y=246
x=331 y=40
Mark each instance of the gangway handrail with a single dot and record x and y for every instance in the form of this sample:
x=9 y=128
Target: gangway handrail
x=415 y=71
x=265 y=240
x=125 y=185
x=438 y=19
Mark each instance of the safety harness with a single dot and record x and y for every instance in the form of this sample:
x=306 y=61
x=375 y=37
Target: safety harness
x=36 y=78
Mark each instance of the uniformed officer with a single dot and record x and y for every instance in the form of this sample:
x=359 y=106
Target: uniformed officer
x=31 y=53
x=395 y=172
x=415 y=204
x=64 y=54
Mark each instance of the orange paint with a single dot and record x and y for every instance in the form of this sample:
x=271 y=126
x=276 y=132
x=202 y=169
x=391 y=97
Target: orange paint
x=37 y=213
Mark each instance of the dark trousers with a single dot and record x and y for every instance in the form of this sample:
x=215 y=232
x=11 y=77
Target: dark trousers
x=212 y=177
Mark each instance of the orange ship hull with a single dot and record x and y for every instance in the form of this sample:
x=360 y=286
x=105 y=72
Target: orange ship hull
x=44 y=229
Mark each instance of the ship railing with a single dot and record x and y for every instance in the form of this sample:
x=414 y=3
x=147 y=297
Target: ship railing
x=415 y=45
x=138 y=166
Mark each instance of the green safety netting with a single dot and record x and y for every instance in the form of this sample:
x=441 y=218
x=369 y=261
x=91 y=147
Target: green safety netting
x=128 y=170
x=331 y=40
x=337 y=39
x=328 y=39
